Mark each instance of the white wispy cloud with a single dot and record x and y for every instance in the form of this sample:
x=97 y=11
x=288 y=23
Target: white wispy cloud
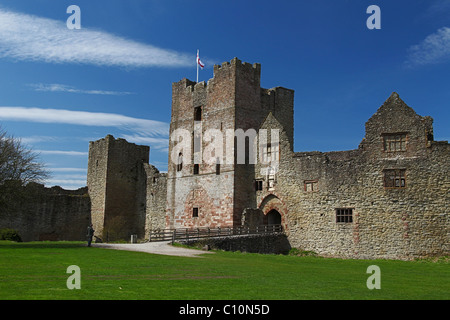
x=68 y=169
x=36 y=138
x=72 y=176
x=435 y=48
x=156 y=143
x=142 y=127
x=33 y=38
x=67 y=178
x=62 y=153
x=56 y=87
x=68 y=184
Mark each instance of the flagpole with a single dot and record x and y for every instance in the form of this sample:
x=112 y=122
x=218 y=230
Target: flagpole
x=196 y=62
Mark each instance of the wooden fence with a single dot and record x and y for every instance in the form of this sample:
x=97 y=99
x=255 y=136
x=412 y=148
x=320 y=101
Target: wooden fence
x=204 y=232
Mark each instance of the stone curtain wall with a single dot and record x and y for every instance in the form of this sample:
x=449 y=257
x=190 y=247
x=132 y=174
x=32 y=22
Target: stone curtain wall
x=396 y=223
x=40 y=213
x=155 y=213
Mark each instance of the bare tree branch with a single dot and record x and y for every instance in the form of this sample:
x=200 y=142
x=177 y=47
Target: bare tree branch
x=19 y=163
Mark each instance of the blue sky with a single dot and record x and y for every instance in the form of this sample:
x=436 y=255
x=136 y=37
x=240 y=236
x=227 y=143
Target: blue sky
x=61 y=88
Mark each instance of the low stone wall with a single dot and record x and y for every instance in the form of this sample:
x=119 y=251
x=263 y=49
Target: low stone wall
x=269 y=243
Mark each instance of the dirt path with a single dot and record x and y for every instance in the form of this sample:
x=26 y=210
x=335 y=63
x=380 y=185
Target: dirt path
x=163 y=248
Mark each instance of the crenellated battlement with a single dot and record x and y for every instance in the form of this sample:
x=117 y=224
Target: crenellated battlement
x=230 y=69
x=237 y=64
x=187 y=86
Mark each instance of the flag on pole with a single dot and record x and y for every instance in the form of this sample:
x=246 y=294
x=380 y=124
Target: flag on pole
x=199 y=62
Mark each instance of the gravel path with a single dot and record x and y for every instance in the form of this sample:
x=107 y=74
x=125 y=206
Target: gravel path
x=163 y=248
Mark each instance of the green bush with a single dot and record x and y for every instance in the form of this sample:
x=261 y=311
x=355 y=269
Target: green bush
x=10 y=234
x=301 y=253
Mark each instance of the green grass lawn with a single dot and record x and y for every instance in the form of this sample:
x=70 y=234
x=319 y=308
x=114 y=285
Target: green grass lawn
x=37 y=270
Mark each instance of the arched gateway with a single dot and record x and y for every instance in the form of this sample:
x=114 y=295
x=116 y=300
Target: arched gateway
x=272 y=217
x=273 y=210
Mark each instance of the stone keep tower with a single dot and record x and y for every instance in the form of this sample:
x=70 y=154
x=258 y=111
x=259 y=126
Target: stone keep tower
x=215 y=193
x=117 y=188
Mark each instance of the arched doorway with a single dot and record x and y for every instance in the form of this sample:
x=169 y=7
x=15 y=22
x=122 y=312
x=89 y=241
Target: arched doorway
x=272 y=217
x=274 y=210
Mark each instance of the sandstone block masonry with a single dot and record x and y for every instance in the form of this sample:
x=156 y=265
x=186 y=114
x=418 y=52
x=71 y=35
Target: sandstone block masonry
x=388 y=198
x=203 y=194
x=127 y=194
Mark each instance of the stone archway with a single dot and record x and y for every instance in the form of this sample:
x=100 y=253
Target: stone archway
x=272 y=217
x=274 y=210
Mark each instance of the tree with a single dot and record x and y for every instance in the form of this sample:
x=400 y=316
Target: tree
x=18 y=163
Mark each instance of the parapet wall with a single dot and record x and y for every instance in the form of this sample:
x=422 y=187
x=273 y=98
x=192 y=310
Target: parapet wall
x=265 y=244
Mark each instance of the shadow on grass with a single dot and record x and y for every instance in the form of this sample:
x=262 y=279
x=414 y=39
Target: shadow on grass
x=42 y=244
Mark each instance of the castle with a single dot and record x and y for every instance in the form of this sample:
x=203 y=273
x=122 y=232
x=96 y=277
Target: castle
x=387 y=199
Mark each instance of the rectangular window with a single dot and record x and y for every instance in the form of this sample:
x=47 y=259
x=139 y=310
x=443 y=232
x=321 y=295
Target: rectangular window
x=311 y=185
x=197 y=141
x=194 y=212
x=344 y=215
x=180 y=162
x=270 y=153
x=196 y=168
x=258 y=185
x=394 y=142
x=395 y=178
x=271 y=182
x=217 y=169
x=198 y=114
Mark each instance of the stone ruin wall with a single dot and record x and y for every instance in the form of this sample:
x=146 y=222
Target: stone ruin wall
x=156 y=190
x=41 y=213
x=400 y=223
x=393 y=223
x=117 y=184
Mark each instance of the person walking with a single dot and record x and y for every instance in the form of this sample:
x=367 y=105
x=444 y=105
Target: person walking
x=90 y=234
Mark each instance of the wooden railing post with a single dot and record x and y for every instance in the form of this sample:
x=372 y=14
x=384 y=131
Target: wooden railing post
x=197 y=233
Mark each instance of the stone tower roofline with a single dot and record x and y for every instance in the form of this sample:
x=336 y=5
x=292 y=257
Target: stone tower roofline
x=394 y=104
x=220 y=70
x=110 y=140
x=192 y=86
x=395 y=117
x=236 y=63
x=273 y=91
x=255 y=68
